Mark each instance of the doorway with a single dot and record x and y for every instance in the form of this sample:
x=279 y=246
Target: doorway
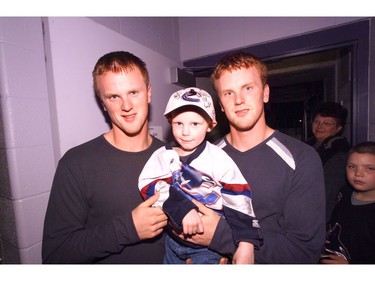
x=300 y=83
x=327 y=65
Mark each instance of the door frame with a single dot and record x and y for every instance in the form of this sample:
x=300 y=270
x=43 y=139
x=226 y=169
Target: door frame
x=354 y=34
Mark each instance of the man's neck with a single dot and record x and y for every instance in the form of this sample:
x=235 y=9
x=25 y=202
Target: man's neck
x=245 y=140
x=129 y=143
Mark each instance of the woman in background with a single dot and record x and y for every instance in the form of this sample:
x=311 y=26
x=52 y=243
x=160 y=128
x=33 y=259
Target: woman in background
x=327 y=128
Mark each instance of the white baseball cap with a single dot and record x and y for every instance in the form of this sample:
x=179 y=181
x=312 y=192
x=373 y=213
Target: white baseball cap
x=191 y=97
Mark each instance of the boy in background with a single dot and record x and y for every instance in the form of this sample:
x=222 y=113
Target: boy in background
x=351 y=235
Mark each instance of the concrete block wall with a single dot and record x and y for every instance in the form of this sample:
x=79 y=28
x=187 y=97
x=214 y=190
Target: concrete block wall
x=27 y=163
x=47 y=106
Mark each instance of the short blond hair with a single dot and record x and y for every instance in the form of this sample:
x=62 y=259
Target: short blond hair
x=237 y=61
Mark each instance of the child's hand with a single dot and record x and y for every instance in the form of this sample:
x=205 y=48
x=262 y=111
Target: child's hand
x=244 y=254
x=192 y=223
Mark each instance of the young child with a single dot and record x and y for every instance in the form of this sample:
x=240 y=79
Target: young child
x=192 y=168
x=351 y=236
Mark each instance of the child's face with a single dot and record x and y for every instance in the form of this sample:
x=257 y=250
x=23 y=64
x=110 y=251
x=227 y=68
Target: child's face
x=360 y=171
x=189 y=130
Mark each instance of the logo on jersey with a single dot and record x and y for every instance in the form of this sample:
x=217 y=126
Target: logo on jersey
x=196 y=184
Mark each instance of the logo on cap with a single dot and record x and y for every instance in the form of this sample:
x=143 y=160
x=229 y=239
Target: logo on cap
x=191 y=96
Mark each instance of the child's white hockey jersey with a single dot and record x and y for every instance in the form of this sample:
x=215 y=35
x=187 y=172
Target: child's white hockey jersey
x=208 y=175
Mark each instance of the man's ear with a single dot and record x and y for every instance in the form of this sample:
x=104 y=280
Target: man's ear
x=266 y=93
x=149 y=94
x=105 y=109
x=221 y=107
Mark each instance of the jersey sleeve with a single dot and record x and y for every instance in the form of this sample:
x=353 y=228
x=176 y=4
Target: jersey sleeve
x=156 y=176
x=238 y=207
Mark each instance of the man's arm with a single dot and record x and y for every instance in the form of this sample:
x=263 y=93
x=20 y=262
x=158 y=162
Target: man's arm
x=301 y=233
x=67 y=239
x=303 y=222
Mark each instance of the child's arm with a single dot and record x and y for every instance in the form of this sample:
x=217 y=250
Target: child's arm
x=192 y=223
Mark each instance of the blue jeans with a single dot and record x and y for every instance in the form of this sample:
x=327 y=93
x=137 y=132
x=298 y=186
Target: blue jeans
x=177 y=254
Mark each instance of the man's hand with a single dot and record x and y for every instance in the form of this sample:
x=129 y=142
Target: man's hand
x=149 y=221
x=244 y=254
x=333 y=259
x=210 y=220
